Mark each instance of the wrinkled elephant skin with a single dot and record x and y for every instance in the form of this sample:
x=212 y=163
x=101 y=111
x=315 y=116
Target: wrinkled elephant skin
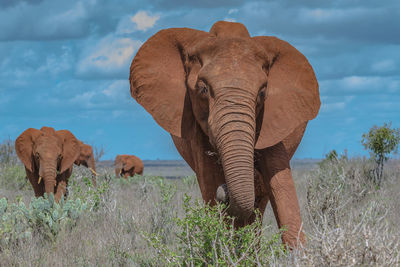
x=236 y=107
x=128 y=165
x=48 y=156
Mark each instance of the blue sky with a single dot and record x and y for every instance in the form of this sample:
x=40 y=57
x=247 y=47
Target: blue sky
x=66 y=64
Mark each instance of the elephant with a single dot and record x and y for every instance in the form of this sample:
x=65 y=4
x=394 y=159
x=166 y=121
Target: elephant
x=128 y=165
x=48 y=156
x=86 y=158
x=236 y=107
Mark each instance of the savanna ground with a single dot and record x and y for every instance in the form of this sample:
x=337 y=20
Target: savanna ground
x=348 y=221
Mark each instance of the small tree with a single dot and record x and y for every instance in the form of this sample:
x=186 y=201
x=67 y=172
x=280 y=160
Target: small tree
x=98 y=152
x=381 y=142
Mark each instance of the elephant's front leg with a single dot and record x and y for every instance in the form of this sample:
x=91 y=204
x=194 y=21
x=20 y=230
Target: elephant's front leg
x=198 y=153
x=38 y=186
x=61 y=190
x=282 y=193
x=61 y=184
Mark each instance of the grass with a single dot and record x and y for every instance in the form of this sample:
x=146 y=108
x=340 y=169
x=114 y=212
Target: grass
x=152 y=221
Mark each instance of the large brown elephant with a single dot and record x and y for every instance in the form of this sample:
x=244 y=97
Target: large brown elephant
x=236 y=107
x=128 y=165
x=48 y=156
x=86 y=158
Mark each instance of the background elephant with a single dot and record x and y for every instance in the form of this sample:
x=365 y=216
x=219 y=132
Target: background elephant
x=128 y=165
x=48 y=156
x=236 y=107
x=86 y=158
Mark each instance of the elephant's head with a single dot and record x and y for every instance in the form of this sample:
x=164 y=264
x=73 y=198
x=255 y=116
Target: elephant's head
x=86 y=158
x=47 y=152
x=123 y=163
x=244 y=92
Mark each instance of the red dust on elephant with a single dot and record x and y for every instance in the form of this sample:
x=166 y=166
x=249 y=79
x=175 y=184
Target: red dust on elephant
x=236 y=107
x=48 y=156
x=128 y=165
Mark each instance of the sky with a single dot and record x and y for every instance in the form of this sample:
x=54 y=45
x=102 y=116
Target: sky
x=66 y=64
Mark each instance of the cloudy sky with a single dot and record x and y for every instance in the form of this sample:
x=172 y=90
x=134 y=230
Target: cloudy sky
x=66 y=64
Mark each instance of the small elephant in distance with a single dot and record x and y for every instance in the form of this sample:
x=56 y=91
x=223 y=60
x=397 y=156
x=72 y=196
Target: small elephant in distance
x=86 y=158
x=236 y=107
x=48 y=156
x=128 y=165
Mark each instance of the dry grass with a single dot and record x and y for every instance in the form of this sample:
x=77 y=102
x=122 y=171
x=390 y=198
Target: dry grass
x=347 y=221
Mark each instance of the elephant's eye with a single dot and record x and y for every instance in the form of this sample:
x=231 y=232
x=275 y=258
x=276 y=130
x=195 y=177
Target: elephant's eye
x=262 y=94
x=59 y=157
x=202 y=87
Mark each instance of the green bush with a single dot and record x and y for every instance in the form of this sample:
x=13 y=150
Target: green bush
x=13 y=177
x=206 y=237
x=86 y=192
x=43 y=217
x=381 y=142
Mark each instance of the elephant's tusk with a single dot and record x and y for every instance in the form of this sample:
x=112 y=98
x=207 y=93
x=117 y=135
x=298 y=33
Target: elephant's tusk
x=40 y=179
x=222 y=194
x=93 y=171
x=120 y=171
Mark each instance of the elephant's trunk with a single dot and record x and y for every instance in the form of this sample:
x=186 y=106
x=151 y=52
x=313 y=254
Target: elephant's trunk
x=233 y=129
x=49 y=177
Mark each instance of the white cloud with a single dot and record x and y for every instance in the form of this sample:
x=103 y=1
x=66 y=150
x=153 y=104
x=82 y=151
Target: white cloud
x=144 y=21
x=332 y=14
x=83 y=99
x=329 y=107
x=229 y=19
x=112 y=55
x=56 y=64
x=232 y=11
x=117 y=88
x=359 y=82
x=384 y=66
x=356 y=85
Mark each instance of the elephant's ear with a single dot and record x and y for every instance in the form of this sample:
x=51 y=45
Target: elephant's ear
x=71 y=149
x=129 y=163
x=292 y=92
x=118 y=162
x=158 y=79
x=24 y=147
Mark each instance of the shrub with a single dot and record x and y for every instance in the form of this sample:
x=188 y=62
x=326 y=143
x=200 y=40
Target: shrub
x=381 y=142
x=334 y=187
x=206 y=236
x=94 y=197
x=7 y=152
x=43 y=217
x=13 y=177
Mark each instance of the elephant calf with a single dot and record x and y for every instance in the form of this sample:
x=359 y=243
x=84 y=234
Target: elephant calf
x=48 y=156
x=128 y=165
